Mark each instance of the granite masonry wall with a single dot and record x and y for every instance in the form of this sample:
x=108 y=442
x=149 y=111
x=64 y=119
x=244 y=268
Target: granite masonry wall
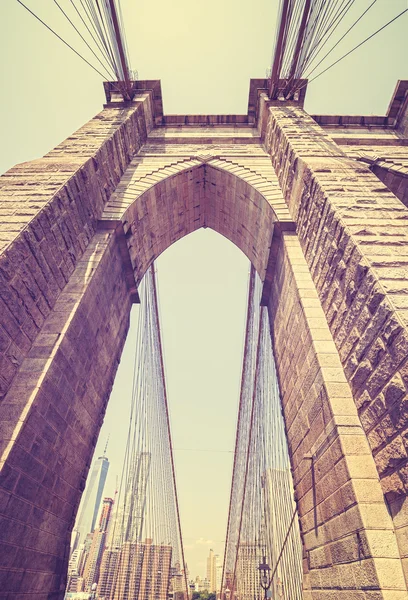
x=349 y=542
x=80 y=228
x=49 y=209
x=63 y=321
x=354 y=236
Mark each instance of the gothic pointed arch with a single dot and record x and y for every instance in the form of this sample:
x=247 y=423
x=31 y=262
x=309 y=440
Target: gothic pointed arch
x=88 y=219
x=158 y=207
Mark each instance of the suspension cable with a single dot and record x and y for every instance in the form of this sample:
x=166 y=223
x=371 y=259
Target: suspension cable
x=80 y=35
x=60 y=38
x=358 y=45
x=147 y=507
x=342 y=38
x=100 y=26
x=305 y=28
x=262 y=512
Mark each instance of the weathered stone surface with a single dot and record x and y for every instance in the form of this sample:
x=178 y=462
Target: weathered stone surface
x=45 y=458
x=81 y=227
x=343 y=518
x=53 y=207
x=353 y=234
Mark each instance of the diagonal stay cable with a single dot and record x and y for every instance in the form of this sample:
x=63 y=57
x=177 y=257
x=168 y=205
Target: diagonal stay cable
x=238 y=429
x=81 y=36
x=358 y=46
x=90 y=10
x=248 y=453
x=342 y=37
x=324 y=35
x=97 y=42
x=284 y=542
x=106 y=29
x=122 y=25
x=60 y=38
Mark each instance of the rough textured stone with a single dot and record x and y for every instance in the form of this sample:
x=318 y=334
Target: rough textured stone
x=82 y=225
x=353 y=234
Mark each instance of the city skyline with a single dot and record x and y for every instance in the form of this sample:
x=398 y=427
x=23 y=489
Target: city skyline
x=109 y=517
x=86 y=557
x=91 y=501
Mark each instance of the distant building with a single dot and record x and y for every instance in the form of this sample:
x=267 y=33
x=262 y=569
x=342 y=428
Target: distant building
x=200 y=585
x=79 y=556
x=212 y=571
x=93 y=562
x=177 y=582
x=218 y=568
x=91 y=502
x=247 y=583
x=107 y=573
x=229 y=577
x=73 y=573
x=136 y=571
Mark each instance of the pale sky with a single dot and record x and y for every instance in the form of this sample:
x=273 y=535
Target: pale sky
x=204 y=53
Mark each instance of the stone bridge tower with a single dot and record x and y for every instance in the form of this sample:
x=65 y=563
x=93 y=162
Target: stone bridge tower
x=318 y=205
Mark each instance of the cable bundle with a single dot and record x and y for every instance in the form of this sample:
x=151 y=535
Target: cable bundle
x=262 y=522
x=305 y=27
x=144 y=543
x=242 y=433
x=98 y=30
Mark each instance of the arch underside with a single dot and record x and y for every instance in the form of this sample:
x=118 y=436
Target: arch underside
x=161 y=199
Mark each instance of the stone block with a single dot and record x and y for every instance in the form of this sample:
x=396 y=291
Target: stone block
x=89 y=302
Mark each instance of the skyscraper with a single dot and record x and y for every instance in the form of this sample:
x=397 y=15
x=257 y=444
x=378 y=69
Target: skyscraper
x=79 y=557
x=136 y=571
x=91 y=502
x=73 y=573
x=93 y=563
x=107 y=573
x=218 y=573
x=247 y=585
x=212 y=571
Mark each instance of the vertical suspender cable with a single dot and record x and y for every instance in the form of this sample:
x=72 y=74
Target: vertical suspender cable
x=248 y=453
x=168 y=424
x=240 y=416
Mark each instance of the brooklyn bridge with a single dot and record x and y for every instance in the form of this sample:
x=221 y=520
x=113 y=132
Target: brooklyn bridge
x=317 y=203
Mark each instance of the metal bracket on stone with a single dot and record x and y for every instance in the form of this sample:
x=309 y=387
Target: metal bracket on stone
x=114 y=97
x=278 y=228
x=117 y=227
x=258 y=87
